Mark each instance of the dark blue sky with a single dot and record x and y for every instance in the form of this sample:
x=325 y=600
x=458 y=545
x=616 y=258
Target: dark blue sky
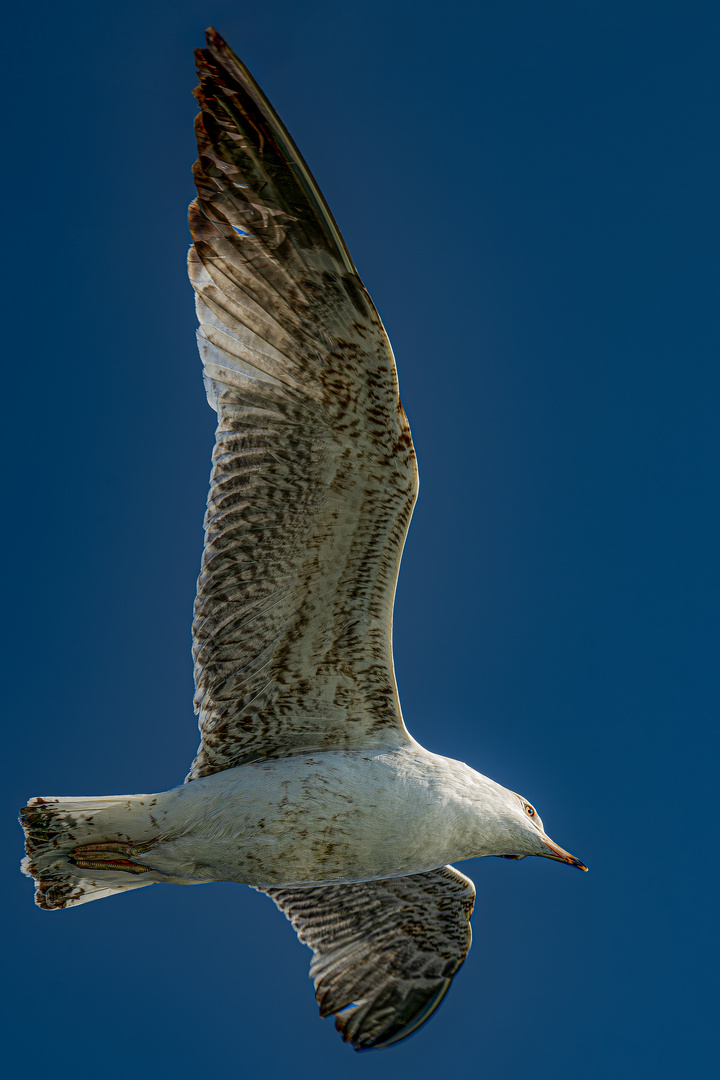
x=530 y=192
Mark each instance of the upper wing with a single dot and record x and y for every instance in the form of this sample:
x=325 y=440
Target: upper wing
x=384 y=951
x=314 y=475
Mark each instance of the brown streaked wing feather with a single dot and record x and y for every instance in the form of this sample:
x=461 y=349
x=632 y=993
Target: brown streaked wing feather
x=314 y=475
x=384 y=952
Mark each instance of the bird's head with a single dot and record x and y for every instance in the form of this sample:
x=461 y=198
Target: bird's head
x=527 y=836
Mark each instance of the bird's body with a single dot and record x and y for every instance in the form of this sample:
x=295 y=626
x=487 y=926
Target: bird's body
x=331 y=816
x=307 y=784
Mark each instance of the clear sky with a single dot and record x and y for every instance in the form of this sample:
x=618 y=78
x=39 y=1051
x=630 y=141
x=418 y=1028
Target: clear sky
x=530 y=192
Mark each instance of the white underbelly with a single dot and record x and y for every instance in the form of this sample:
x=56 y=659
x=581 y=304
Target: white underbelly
x=338 y=816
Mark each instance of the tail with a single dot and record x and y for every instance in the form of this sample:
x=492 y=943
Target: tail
x=83 y=849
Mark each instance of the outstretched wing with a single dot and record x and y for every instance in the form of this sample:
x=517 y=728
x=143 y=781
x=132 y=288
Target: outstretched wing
x=314 y=475
x=384 y=952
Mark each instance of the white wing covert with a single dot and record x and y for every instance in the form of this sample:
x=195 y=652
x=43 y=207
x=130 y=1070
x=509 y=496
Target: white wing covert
x=384 y=952
x=314 y=475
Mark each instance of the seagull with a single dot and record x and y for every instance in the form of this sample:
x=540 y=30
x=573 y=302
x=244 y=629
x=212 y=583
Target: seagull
x=306 y=785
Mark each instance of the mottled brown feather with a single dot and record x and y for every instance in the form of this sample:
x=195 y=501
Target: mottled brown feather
x=384 y=952
x=314 y=475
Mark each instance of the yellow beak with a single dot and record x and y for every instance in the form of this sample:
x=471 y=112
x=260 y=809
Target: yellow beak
x=554 y=851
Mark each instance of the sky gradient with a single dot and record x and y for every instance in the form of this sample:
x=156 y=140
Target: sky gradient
x=529 y=192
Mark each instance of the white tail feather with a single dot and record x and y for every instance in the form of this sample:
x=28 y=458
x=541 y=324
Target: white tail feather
x=56 y=827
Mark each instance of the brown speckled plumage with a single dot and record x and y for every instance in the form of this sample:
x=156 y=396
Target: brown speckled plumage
x=314 y=475
x=384 y=951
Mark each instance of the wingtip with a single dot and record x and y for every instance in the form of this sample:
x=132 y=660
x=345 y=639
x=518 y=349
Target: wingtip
x=213 y=39
x=214 y=47
x=215 y=59
x=217 y=44
x=217 y=56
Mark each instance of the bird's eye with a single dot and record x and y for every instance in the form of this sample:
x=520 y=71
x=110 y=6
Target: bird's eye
x=529 y=810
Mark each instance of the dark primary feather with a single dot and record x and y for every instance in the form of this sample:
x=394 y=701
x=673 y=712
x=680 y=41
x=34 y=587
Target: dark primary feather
x=314 y=476
x=384 y=952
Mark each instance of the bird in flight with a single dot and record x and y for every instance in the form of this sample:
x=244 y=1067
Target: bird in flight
x=307 y=785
